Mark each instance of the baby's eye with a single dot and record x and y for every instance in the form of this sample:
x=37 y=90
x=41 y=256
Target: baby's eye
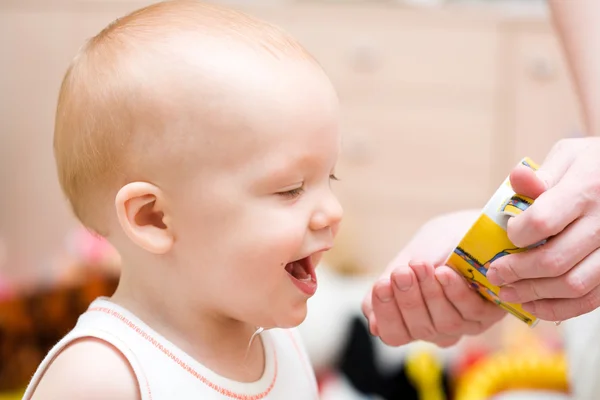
x=333 y=177
x=293 y=193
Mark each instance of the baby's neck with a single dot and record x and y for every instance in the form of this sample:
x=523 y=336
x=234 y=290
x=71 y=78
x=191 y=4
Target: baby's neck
x=220 y=344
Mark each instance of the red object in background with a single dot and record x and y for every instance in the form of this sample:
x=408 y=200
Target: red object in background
x=470 y=357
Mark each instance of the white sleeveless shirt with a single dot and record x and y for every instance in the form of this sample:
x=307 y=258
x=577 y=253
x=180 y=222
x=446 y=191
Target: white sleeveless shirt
x=165 y=372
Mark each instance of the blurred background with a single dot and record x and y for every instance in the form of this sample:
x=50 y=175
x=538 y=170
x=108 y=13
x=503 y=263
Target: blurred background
x=440 y=99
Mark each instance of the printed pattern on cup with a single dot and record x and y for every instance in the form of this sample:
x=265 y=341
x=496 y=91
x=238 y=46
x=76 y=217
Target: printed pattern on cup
x=487 y=240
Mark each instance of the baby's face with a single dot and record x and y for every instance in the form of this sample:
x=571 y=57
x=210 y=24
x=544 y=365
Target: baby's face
x=258 y=210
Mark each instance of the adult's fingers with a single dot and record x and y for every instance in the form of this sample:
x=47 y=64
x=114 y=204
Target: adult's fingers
x=525 y=181
x=552 y=259
x=412 y=307
x=551 y=212
x=576 y=283
x=563 y=309
x=446 y=319
x=532 y=184
x=555 y=208
x=469 y=303
x=390 y=326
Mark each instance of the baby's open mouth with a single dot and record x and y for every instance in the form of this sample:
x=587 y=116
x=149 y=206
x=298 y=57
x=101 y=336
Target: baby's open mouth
x=301 y=270
x=302 y=274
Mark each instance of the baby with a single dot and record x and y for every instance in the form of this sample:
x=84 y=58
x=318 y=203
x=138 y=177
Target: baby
x=201 y=143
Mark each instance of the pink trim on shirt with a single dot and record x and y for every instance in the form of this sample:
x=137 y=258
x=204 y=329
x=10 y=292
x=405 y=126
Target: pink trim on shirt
x=307 y=368
x=182 y=364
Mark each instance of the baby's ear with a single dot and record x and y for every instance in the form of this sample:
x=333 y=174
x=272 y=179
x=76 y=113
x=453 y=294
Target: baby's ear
x=141 y=213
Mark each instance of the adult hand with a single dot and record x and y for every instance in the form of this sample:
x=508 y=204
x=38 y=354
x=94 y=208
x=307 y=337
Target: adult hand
x=414 y=300
x=560 y=279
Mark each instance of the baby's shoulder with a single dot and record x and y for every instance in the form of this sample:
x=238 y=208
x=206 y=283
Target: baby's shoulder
x=88 y=369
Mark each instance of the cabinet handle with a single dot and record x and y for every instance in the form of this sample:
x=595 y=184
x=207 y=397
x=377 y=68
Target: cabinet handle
x=365 y=58
x=542 y=68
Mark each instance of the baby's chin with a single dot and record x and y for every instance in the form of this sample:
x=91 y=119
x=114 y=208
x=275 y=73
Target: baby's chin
x=290 y=319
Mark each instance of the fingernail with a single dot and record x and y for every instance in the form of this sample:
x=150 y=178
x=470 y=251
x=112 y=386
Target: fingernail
x=421 y=271
x=529 y=307
x=494 y=277
x=509 y=294
x=384 y=293
x=403 y=281
x=442 y=279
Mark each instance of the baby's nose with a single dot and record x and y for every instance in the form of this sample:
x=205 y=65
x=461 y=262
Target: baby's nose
x=328 y=215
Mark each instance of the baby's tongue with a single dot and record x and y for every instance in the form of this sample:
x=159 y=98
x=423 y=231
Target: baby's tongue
x=297 y=270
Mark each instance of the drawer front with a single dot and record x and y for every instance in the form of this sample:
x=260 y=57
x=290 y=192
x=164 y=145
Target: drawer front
x=394 y=155
x=386 y=48
x=544 y=103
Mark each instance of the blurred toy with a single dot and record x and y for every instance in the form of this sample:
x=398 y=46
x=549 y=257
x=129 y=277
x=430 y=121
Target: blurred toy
x=527 y=363
x=470 y=356
x=426 y=374
x=505 y=373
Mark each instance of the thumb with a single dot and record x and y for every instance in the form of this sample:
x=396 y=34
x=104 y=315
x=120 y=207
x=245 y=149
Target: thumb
x=532 y=184
x=526 y=182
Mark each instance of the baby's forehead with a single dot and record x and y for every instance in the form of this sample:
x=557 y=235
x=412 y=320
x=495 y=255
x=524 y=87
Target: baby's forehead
x=210 y=81
x=250 y=122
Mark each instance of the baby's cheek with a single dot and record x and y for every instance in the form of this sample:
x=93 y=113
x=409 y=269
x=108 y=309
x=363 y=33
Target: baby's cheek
x=282 y=236
x=335 y=229
x=316 y=259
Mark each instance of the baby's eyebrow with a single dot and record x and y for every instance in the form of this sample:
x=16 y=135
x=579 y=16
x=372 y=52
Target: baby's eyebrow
x=292 y=168
x=281 y=174
x=283 y=171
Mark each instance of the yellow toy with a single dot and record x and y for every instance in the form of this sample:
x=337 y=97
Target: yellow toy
x=514 y=371
x=425 y=372
x=525 y=361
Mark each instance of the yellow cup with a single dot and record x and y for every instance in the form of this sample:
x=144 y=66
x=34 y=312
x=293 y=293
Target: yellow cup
x=487 y=241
